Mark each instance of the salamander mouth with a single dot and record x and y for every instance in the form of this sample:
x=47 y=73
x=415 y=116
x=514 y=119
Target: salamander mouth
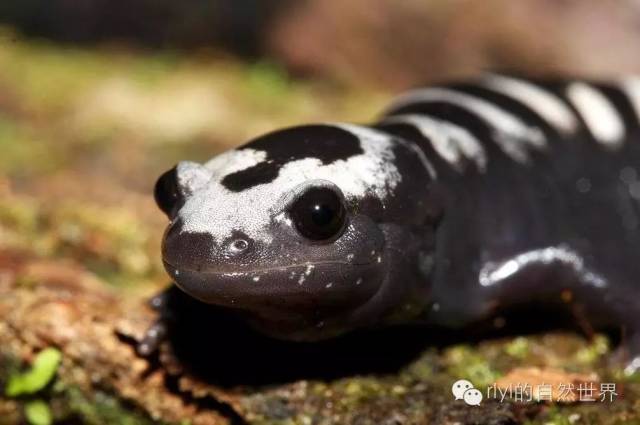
x=173 y=270
x=290 y=283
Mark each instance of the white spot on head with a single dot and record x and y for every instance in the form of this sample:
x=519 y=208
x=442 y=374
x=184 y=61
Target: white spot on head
x=359 y=281
x=215 y=210
x=234 y=160
x=328 y=285
x=191 y=176
x=283 y=218
x=599 y=115
x=256 y=278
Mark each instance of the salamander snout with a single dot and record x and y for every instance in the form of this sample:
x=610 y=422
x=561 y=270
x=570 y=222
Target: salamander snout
x=200 y=252
x=187 y=250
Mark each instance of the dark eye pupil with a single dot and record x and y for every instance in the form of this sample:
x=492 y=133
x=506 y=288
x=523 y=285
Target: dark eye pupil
x=322 y=215
x=318 y=214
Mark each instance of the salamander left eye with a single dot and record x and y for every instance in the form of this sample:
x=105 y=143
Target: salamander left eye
x=166 y=192
x=318 y=214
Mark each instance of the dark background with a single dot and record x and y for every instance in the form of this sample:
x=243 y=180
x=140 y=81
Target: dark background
x=381 y=41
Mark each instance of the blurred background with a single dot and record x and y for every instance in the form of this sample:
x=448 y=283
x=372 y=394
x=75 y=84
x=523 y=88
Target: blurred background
x=98 y=97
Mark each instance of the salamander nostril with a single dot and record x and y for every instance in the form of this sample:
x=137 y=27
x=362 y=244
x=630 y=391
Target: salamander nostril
x=239 y=245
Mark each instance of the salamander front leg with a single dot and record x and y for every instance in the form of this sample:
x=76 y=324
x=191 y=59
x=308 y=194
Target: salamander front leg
x=156 y=333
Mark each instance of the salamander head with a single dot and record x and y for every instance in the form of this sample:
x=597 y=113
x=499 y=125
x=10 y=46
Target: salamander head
x=285 y=228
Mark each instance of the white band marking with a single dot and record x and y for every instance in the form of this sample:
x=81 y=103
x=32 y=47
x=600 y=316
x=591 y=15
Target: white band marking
x=511 y=131
x=599 y=114
x=543 y=102
x=450 y=141
x=631 y=87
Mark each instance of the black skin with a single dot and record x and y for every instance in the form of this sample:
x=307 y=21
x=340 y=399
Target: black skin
x=437 y=235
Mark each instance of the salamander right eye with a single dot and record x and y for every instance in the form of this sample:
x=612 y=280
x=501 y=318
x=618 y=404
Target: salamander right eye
x=167 y=193
x=319 y=214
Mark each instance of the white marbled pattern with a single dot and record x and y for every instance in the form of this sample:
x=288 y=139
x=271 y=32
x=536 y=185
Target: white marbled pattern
x=218 y=211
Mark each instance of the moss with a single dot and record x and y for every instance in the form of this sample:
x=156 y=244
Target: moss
x=102 y=409
x=110 y=241
x=558 y=416
x=518 y=348
x=465 y=362
x=24 y=150
x=590 y=354
x=42 y=401
x=104 y=235
x=21 y=215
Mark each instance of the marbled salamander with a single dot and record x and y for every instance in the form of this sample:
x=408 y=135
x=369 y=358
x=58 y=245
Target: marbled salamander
x=463 y=199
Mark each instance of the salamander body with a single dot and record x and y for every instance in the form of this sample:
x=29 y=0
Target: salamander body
x=461 y=200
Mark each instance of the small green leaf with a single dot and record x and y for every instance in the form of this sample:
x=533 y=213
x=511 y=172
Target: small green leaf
x=37 y=412
x=38 y=376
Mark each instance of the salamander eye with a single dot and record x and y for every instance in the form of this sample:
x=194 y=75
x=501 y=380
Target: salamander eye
x=318 y=214
x=166 y=192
